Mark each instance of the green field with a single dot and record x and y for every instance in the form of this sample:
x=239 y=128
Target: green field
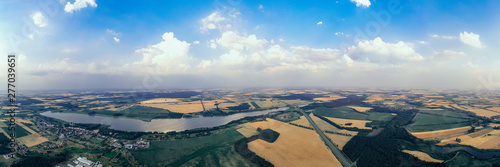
x=464 y=159
x=349 y=113
x=427 y=122
x=447 y=113
x=19 y=131
x=213 y=150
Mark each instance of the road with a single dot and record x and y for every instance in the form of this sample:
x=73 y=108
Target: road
x=344 y=160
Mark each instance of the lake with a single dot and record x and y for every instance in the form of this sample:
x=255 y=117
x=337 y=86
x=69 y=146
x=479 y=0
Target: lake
x=160 y=125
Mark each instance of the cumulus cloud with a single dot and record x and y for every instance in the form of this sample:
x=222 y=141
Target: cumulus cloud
x=114 y=34
x=471 y=39
x=378 y=51
x=39 y=19
x=69 y=50
x=448 y=55
x=79 y=4
x=196 y=42
x=362 y=3
x=261 y=7
x=319 y=23
x=116 y=39
x=169 y=56
x=217 y=21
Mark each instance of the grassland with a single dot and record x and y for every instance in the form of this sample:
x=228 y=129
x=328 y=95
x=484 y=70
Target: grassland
x=294 y=147
x=349 y=113
x=466 y=160
x=213 y=150
x=422 y=156
x=360 y=124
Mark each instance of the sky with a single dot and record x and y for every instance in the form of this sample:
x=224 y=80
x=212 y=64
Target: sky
x=137 y=45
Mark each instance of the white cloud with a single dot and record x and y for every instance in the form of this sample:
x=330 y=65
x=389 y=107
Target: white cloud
x=216 y=21
x=79 y=4
x=380 y=52
x=339 y=33
x=38 y=19
x=319 y=23
x=261 y=7
x=236 y=42
x=362 y=3
x=169 y=56
x=116 y=39
x=443 y=37
x=196 y=42
x=115 y=34
x=447 y=55
x=213 y=44
x=281 y=40
x=471 y=39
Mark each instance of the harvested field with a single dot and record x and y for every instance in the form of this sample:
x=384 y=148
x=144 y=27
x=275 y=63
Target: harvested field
x=189 y=107
x=323 y=125
x=440 y=133
x=486 y=141
x=360 y=124
x=329 y=98
x=270 y=103
x=160 y=100
x=422 y=156
x=296 y=102
x=247 y=130
x=497 y=109
x=481 y=112
x=294 y=147
x=339 y=140
x=33 y=139
x=360 y=109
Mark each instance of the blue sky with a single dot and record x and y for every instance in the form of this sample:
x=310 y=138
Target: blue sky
x=87 y=44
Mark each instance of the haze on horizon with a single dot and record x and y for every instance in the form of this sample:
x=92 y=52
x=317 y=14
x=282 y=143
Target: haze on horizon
x=89 y=44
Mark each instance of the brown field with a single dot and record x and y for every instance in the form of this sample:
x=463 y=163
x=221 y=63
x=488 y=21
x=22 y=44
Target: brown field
x=434 y=96
x=360 y=109
x=360 y=124
x=323 y=125
x=160 y=100
x=247 y=130
x=302 y=121
x=296 y=102
x=423 y=156
x=439 y=133
x=339 y=140
x=294 y=147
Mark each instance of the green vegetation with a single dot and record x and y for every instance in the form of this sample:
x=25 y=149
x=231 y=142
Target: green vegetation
x=429 y=122
x=19 y=131
x=213 y=150
x=242 y=106
x=349 y=113
x=4 y=144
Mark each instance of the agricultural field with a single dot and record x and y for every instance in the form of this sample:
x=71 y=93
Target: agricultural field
x=427 y=122
x=423 y=156
x=441 y=133
x=213 y=150
x=270 y=103
x=329 y=98
x=19 y=131
x=295 y=146
x=486 y=139
x=349 y=113
x=481 y=112
x=360 y=109
x=360 y=124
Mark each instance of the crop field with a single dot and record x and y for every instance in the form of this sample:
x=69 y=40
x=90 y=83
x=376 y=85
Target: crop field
x=441 y=133
x=445 y=113
x=324 y=126
x=270 y=103
x=426 y=122
x=212 y=150
x=294 y=147
x=360 y=124
x=360 y=109
x=33 y=139
x=189 y=107
x=349 y=113
x=422 y=156
x=497 y=109
x=296 y=102
x=329 y=98
x=19 y=131
x=489 y=139
x=161 y=100
x=481 y=112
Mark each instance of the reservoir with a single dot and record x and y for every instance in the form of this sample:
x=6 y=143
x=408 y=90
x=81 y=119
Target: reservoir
x=160 y=125
x=470 y=150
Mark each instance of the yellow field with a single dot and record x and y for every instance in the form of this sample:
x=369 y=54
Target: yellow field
x=189 y=107
x=490 y=140
x=440 y=133
x=160 y=100
x=360 y=124
x=329 y=98
x=30 y=140
x=294 y=147
x=373 y=98
x=360 y=109
x=422 y=156
x=247 y=130
x=296 y=102
x=339 y=140
x=323 y=125
x=481 y=112
x=497 y=109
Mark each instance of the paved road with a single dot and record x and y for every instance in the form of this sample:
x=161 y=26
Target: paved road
x=344 y=160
